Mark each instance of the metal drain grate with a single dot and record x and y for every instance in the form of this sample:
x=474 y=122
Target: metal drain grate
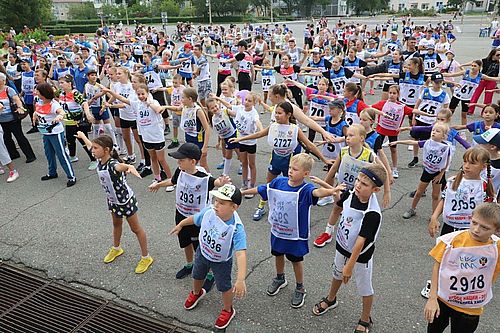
x=29 y=303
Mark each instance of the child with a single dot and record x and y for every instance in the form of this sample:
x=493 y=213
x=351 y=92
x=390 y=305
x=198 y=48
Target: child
x=490 y=140
x=431 y=101
x=222 y=237
x=389 y=123
x=436 y=156
x=373 y=139
x=94 y=95
x=193 y=185
x=284 y=138
x=225 y=128
x=463 y=193
x=194 y=123
x=490 y=115
x=337 y=126
x=175 y=100
x=151 y=125
x=290 y=200
x=460 y=291
x=268 y=79
x=356 y=236
x=247 y=122
x=121 y=199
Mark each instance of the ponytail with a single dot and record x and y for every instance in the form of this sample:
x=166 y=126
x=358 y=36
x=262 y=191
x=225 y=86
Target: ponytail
x=355 y=90
x=490 y=191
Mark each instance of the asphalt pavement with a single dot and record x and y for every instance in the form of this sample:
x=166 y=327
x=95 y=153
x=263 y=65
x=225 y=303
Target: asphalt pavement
x=64 y=233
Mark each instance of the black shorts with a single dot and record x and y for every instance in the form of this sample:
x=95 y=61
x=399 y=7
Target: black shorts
x=189 y=234
x=420 y=135
x=392 y=138
x=290 y=257
x=128 y=123
x=251 y=149
x=454 y=103
x=115 y=112
x=428 y=177
x=154 y=146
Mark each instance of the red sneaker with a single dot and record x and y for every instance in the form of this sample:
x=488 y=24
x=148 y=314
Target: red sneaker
x=224 y=319
x=192 y=300
x=323 y=239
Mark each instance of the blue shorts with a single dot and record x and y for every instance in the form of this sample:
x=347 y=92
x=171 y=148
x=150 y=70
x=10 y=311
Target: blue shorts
x=279 y=165
x=231 y=145
x=95 y=112
x=221 y=270
x=194 y=140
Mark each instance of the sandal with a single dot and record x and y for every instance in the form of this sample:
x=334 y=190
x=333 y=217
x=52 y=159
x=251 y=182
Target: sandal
x=318 y=310
x=366 y=325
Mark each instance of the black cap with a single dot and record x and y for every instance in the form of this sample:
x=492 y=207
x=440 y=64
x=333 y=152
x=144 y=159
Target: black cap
x=228 y=192
x=437 y=77
x=187 y=150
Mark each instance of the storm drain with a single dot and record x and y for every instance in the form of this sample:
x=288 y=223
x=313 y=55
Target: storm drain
x=29 y=303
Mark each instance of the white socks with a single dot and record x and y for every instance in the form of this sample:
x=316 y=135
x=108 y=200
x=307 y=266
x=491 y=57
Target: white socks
x=227 y=166
x=329 y=229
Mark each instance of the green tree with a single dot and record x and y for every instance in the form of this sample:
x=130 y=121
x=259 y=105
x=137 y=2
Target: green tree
x=82 y=11
x=17 y=13
x=372 y=6
x=221 y=7
x=168 y=6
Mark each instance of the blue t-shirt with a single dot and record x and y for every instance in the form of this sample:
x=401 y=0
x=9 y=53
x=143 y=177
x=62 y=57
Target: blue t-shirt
x=81 y=78
x=239 y=235
x=299 y=247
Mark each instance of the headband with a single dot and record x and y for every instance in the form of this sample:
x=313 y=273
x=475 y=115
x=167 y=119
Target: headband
x=374 y=178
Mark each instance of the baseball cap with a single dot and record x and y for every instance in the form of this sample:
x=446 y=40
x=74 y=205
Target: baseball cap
x=491 y=136
x=370 y=41
x=187 y=46
x=394 y=33
x=228 y=192
x=316 y=50
x=437 y=77
x=187 y=150
x=91 y=71
x=292 y=39
x=337 y=103
x=450 y=51
x=431 y=47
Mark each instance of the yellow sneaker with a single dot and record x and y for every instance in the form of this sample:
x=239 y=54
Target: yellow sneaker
x=113 y=254
x=143 y=265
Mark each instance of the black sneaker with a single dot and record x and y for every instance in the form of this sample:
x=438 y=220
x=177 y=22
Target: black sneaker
x=32 y=130
x=413 y=162
x=208 y=284
x=185 y=271
x=130 y=160
x=140 y=167
x=31 y=159
x=71 y=182
x=146 y=171
x=47 y=177
x=166 y=131
x=173 y=144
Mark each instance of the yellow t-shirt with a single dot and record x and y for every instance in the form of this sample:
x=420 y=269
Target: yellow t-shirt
x=463 y=240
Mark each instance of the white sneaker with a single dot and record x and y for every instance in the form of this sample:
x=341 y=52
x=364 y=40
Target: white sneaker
x=426 y=290
x=410 y=148
x=93 y=165
x=73 y=159
x=13 y=175
x=2 y=171
x=170 y=188
x=325 y=201
x=395 y=173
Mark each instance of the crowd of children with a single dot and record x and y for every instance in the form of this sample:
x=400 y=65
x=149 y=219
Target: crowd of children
x=142 y=96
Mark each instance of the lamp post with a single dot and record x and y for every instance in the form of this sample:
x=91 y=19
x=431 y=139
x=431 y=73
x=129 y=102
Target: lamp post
x=209 y=5
x=98 y=8
x=124 y=4
x=272 y=21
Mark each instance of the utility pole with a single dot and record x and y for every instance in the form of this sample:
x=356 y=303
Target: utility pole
x=209 y=5
x=272 y=21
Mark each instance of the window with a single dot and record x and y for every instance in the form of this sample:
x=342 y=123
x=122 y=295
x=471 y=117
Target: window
x=479 y=4
x=401 y=6
x=413 y=5
x=425 y=6
x=439 y=4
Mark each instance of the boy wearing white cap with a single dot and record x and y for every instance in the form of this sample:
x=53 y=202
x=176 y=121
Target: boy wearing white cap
x=222 y=237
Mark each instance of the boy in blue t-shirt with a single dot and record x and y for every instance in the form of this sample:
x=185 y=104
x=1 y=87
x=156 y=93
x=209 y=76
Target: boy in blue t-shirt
x=222 y=236
x=290 y=199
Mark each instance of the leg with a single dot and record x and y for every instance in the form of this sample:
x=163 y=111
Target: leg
x=62 y=156
x=418 y=194
x=189 y=253
x=128 y=142
x=24 y=144
x=298 y=269
x=160 y=156
x=253 y=169
x=488 y=96
x=154 y=162
x=436 y=195
x=244 y=165
x=133 y=222
x=117 y=230
x=8 y=141
x=394 y=157
x=139 y=143
x=50 y=154
x=280 y=264
x=70 y=139
x=227 y=300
